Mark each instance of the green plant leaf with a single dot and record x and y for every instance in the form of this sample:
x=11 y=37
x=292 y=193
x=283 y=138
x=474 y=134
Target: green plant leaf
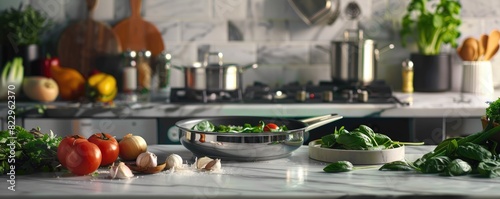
x=399 y=165
x=340 y=166
x=474 y=152
x=457 y=167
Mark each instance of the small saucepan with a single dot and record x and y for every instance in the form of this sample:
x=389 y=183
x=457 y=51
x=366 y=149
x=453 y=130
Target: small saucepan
x=248 y=146
x=214 y=76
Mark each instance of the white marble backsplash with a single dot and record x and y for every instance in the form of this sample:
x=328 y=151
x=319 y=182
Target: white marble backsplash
x=268 y=32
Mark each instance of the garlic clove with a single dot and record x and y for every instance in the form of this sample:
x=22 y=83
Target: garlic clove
x=174 y=161
x=213 y=165
x=146 y=160
x=120 y=171
x=202 y=162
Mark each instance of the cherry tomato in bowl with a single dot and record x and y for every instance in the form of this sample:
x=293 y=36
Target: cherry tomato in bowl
x=271 y=127
x=108 y=145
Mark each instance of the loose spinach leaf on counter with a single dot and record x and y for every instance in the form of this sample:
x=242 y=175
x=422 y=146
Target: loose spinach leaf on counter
x=435 y=164
x=34 y=151
x=457 y=167
x=489 y=169
x=474 y=152
x=398 y=165
x=339 y=166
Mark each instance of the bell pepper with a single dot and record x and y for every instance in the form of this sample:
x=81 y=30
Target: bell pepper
x=101 y=87
x=48 y=62
x=71 y=82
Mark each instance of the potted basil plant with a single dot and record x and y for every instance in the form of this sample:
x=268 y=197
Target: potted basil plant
x=20 y=34
x=492 y=116
x=430 y=27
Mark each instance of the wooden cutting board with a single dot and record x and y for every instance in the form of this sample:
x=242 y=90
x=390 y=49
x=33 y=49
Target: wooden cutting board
x=137 y=34
x=82 y=42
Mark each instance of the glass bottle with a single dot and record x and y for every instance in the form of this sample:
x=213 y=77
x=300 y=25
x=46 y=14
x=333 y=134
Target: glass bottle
x=129 y=85
x=407 y=76
x=144 y=75
x=162 y=76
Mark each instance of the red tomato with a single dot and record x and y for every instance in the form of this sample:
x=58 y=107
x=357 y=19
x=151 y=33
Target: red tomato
x=270 y=127
x=65 y=147
x=108 y=146
x=83 y=158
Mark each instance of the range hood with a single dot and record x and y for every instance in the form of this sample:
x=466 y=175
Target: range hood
x=316 y=11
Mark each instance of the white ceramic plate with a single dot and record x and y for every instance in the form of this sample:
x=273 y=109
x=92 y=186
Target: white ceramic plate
x=316 y=152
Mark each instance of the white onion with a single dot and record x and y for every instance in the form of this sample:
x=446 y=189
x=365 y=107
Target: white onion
x=131 y=146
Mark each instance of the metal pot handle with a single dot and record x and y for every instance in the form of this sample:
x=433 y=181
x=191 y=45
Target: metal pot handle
x=358 y=31
x=316 y=122
x=377 y=52
x=208 y=54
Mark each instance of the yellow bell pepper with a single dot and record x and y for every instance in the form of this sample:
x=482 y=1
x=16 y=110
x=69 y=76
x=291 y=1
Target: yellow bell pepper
x=101 y=87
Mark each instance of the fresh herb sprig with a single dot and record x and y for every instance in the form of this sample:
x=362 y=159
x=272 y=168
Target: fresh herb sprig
x=34 y=151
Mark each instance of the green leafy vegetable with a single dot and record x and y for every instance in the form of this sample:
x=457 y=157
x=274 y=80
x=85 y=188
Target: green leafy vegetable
x=339 y=166
x=354 y=141
x=431 y=29
x=204 y=126
x=34 y=151
x=457 y=167
x=489 y=169
x=435 y=164
x=23 y=26
x=207 y=126
x=361 y=138
x=474 y=151
x=493 y=111
x=399 y=165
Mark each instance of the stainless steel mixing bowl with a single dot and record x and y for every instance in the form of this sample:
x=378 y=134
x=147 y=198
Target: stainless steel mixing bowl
x=248 y=146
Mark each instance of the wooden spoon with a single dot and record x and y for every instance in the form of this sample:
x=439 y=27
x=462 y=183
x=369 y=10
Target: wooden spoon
x=470 y=49
x=493 y=39
x=483 y=41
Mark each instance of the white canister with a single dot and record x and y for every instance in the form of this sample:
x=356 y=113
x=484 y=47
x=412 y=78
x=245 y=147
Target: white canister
x=477 y=77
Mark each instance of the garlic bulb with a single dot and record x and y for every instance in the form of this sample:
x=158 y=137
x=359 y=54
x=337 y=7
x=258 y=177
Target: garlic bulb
x=206 y=163
x=120 y=171
x=174 y=161
x=146 y=160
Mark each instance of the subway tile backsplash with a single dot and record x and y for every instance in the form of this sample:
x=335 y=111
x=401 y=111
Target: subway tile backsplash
x=269 y=32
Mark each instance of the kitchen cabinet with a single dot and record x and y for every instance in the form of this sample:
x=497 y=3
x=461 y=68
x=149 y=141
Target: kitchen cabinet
x=296 y=176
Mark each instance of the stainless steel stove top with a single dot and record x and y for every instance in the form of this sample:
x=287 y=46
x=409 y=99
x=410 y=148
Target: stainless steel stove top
x=325 y=92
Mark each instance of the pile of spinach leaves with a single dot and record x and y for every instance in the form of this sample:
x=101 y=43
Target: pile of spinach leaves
x=475 y=154
x=207 y=126
x=361 y=138
x=30 y=151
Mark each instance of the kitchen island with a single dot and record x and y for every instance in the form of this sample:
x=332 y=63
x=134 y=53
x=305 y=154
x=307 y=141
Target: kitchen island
x=296 y=176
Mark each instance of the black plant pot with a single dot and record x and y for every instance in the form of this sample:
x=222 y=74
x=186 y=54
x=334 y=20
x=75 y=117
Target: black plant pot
x=431 y=72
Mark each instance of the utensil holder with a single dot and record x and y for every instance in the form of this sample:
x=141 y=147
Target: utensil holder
x=477 y=77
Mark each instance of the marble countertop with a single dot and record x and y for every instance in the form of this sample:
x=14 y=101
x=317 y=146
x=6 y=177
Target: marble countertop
x=296 y=176
x=440 y=105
